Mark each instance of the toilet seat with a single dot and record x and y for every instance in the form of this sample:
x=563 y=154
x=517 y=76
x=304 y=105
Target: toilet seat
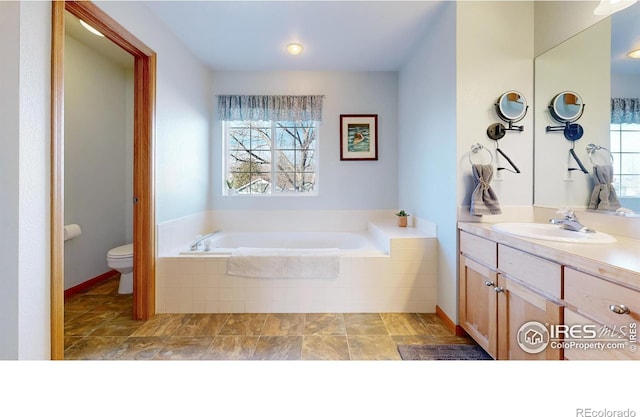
x=124 y=251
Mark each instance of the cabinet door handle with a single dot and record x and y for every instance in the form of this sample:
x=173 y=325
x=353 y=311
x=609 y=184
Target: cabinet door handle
x=498 y=289
x=619 y=309
x=489 y=283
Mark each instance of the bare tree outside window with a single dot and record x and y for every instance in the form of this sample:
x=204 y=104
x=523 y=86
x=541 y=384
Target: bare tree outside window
x=271 y=157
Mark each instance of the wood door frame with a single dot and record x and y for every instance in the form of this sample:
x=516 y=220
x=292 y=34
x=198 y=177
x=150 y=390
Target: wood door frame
x=143 y=165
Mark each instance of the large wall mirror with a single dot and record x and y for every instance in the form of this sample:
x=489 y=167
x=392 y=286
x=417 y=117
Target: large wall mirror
x=594 y=64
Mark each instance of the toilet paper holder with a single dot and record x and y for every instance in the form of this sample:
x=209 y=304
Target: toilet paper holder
x=71 y=231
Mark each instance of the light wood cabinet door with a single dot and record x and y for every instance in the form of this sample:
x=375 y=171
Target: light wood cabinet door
x=478 y=309
x=518 y=305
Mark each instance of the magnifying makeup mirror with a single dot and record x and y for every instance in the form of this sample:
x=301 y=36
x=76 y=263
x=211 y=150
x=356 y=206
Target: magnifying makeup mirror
x=566 y=107
x=511 y=107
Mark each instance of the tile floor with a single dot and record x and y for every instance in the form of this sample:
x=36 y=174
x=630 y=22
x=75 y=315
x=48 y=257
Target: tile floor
x=98 y=325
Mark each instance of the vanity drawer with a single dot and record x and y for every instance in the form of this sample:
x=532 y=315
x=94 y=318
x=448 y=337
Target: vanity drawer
x=536 y=272
x=478 y=248
x=583 y=350
x=594 y=297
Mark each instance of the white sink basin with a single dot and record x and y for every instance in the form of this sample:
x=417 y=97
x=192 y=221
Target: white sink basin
x=551 y=232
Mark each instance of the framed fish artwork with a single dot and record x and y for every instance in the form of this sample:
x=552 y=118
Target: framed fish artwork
x=358 y=137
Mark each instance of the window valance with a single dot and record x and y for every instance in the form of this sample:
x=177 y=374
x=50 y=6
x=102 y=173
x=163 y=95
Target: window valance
x=625 y=110
x=276 y=108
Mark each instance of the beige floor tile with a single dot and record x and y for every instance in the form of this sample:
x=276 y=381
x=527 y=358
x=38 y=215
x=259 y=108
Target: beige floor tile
x=405 y=324
x=429 y=318
x=244 y=324
x=86 y=323
x=109 y=286
x=372 y=348
x=414 y=340
x=284 y=325
x=185 y=348
x=438 y=330
x=97 y=348
x=232 y=348
x=161 y=325
x=324 y=324
x=452 y=339
x=364 y=324
x=325 y=347
x=143 y=348
x=98 y=325
x=119 y=326
x=202 y=325
x=278 y=348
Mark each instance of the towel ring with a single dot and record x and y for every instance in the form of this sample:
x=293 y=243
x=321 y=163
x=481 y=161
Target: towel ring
x=477 y=148
x=591 y=149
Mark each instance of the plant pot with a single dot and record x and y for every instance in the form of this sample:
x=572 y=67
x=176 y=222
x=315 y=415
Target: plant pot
x=402 y=221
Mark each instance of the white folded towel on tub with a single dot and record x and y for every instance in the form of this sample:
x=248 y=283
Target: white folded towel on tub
x=284 y=263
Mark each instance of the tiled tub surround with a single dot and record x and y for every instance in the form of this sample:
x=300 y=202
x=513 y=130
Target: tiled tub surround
x=400 y=277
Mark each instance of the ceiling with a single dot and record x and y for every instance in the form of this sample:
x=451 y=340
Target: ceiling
x=104 y=46
x=336 y=35
x=625 y=37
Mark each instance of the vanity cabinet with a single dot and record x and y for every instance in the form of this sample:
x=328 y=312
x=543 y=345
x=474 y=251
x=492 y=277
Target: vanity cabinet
x=478 y=303
x=499 y=292
x=583 y=301
x=612 y=312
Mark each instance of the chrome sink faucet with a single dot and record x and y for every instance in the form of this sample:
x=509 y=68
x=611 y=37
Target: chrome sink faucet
x=571 y=222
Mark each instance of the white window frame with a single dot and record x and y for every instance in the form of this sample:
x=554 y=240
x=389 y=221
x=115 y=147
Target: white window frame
x=617 y=131
x=274 y=193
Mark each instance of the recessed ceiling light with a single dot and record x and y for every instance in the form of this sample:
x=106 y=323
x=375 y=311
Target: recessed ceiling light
x=294 y=48
x=634 y=54
x=90 y=28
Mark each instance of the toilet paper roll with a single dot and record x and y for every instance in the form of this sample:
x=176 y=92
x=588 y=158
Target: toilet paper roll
x=71 y=231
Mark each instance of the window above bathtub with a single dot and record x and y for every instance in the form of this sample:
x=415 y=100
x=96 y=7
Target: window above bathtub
x=270 y=157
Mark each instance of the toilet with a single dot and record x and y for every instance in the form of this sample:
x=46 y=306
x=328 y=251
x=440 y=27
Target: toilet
x=121 y=259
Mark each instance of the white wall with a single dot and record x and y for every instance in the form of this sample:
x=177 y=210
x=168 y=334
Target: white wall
x=98 y=116
x=183 y=110
x=573 y=65
x=494 y=53
x=343 y=185
x=493 y=59
x=557 y=21
x=625 y=85
x=427 y=142
x=9 y=185
x=24 y=183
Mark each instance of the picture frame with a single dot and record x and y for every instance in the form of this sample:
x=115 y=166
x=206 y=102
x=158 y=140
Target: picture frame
x=358 y=137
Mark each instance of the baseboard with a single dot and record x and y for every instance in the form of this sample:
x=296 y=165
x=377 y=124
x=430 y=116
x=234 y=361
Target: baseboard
x=89 y=283
x=455 y=328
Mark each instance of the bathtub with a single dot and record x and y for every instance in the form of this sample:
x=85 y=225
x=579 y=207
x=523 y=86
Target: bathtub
x=381 y=269
x=348 y=243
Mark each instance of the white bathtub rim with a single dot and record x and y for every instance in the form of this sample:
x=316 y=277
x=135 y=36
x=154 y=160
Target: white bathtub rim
x=368 y=249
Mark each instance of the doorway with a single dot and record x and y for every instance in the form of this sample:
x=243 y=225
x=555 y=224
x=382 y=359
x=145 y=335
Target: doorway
x=143 y=163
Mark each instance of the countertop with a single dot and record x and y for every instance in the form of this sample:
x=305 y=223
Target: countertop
x=618 y=262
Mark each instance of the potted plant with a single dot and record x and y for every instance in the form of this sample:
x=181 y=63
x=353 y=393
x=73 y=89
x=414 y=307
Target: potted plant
x=402 y=218
x=230 y=189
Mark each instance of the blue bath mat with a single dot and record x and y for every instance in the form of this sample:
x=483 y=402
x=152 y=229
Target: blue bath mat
x=442 y=352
